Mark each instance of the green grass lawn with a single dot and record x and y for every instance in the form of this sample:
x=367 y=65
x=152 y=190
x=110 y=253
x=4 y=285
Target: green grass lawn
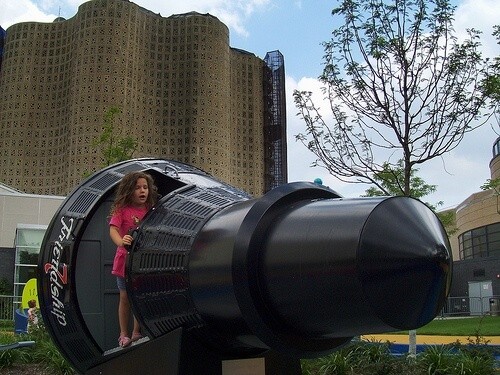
x=485 y=326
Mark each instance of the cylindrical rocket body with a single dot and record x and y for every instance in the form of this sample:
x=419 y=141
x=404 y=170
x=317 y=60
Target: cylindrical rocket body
x=311 y=271
x=338 y=268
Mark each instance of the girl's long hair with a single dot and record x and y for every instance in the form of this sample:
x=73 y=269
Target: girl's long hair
x=124 y=195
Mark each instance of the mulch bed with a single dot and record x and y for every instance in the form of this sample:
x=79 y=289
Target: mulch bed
x=25 y=369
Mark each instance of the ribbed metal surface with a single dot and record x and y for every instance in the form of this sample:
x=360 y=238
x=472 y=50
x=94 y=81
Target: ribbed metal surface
x=160 y=258
x=105 y=181
x=83 y=202
x=155 y=261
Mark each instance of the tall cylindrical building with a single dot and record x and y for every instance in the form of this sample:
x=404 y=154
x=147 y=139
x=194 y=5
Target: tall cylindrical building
x=182 y=91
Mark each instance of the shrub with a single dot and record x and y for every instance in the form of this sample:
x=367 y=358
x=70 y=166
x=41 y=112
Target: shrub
x=372 y=358
x=340 y=362
x=47 y=354
x=437 y=360
x=360 y=358
x=474 y=359
x=7 y=358
x=468 y=364
x=6 y=287
x=11 y=356
x=44 y=352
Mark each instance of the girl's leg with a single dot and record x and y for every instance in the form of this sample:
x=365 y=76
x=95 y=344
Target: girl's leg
x=123 y=312
x=137 y=330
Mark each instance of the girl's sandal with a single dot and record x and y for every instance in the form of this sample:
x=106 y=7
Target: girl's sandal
x=124 y=341
x=136 y=337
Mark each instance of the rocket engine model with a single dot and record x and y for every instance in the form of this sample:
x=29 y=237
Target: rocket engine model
x=214 y=274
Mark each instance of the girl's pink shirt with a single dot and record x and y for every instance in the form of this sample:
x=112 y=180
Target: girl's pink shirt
x=125 y=219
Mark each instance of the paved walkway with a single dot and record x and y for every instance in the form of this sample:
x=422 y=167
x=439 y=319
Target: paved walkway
x=428 y=339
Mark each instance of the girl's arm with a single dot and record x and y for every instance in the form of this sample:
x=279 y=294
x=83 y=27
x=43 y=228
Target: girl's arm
x=118 y=240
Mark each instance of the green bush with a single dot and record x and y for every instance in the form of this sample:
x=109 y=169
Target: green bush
x=7 y=358
x=467 y=364
x=437 y=360
x=475 y=359
x=11 y=356
x=48 y=354
x=357 y=358
x=6 y=288
x=374 y=358
x=340 y=363
x=458 y=360
x=44 y=352
x=7 y=325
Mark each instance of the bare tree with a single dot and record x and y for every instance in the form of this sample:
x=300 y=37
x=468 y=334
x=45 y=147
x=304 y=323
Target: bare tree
x=400 y=87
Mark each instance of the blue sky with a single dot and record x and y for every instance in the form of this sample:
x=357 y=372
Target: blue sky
x=297 y=28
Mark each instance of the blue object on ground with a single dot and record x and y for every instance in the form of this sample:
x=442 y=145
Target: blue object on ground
x=21 y=321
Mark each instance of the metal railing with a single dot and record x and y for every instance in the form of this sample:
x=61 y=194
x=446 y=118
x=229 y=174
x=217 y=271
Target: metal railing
x=8 y=306
x=471 y=306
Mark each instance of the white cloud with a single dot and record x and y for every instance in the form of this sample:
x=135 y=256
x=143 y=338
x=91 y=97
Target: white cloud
x=299 y=157
x=49 y=4
x=22 y=11
x=481 y=15
x=461 y=172
x=233 y=14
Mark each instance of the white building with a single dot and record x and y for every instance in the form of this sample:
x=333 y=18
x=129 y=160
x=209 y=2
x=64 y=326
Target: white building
x=23 y=220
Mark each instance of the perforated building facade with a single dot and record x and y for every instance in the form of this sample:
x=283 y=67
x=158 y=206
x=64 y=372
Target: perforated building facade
x=183 y=93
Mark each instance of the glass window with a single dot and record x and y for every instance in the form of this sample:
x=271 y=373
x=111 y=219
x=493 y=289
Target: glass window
x=480 y=242
x=493 y=237
x=494 y=228
x=479 y=248
x=496 y=148
x=28 y=242
x=467 y=253
x=494 y=247
x=467 y=244
x=478 y=232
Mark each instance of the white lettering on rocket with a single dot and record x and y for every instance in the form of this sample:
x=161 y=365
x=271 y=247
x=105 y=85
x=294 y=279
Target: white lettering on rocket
x=58 y=278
